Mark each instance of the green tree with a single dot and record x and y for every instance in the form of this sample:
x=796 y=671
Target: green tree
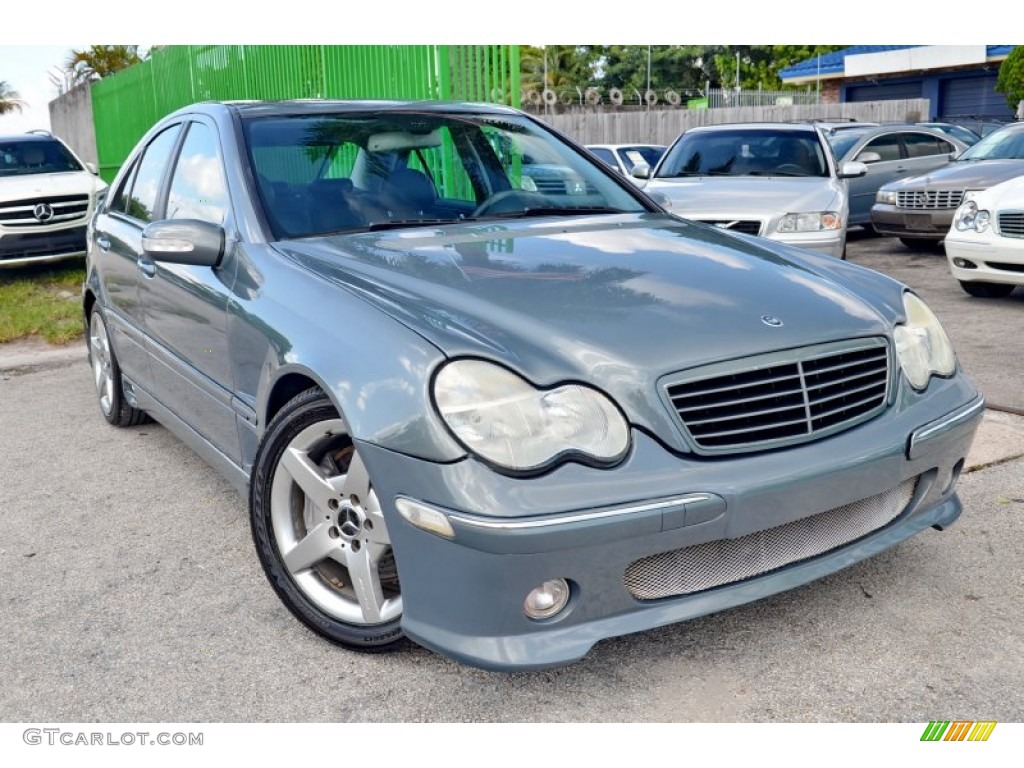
x=567 y=66
x=10 y=100
x=1010 y=82
x=99 y=61
x=759 y=65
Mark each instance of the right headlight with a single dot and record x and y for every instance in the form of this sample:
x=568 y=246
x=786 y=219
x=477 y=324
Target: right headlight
x=508 y=422
x=922 y=346
x=969 y=217
x=885 y=197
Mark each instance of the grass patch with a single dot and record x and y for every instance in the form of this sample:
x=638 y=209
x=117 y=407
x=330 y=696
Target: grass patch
x=34 y=301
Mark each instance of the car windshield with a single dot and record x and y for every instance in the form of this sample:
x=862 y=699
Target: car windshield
x=21 y=158
x=746 y=152
x=357 y=171
x=842 y=141
x=1007 y=144
x=631 y=156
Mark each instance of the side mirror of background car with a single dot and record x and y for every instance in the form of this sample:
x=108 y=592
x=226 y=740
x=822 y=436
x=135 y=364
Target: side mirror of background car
x=641 y=171
x=184 y=241
x=92 y=169
x=661 y=199
x=869 y=157
x=852 y=170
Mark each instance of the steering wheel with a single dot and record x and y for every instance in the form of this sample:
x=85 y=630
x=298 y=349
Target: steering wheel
x=510 y=201
x=792 y=168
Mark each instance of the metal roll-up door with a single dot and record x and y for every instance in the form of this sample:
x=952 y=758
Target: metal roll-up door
x=973 y=96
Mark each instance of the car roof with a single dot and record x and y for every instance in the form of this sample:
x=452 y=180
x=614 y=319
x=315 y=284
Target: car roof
x=794 y=127
x=326 y=106
x=628 y=144
x=29 y=137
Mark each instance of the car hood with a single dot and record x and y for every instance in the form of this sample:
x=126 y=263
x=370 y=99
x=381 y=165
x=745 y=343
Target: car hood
x=762 y=196
x=48 y=184
x=962 y=174
x=613 y=300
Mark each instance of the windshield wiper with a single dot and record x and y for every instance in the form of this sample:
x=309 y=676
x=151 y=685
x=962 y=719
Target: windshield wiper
x=552 y=210
x=374 y=226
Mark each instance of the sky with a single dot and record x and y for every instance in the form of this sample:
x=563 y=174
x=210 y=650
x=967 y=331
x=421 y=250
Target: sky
x=29 y=49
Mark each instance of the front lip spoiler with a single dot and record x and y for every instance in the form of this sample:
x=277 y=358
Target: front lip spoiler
x=922 y=437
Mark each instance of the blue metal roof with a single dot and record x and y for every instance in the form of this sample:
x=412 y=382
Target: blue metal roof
x=834 y=63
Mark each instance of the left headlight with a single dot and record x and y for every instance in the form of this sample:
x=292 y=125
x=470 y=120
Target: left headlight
x=810 y=222
x=970 y=217
x=922 y=345
x=885 y=197
x=505 y=420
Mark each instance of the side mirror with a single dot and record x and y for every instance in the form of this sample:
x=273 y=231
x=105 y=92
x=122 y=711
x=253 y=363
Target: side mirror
x=955 y=154
x=641 y=171
x=184 y=241
x=92 y=169
x=661 y=199
x=869 y=157
x=852 y=170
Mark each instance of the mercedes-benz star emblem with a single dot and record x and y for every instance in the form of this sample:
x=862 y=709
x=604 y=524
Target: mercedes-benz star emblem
x=774 y=322
x=43 y=212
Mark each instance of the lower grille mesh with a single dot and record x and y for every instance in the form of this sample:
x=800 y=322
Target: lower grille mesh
x=703 y=566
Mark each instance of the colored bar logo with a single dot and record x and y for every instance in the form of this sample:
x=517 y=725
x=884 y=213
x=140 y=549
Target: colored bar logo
x=958 y=730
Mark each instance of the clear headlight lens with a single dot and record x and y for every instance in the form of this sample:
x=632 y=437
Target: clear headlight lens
x=507 y=421
x=968 y=217
x=810 y=222
x=884 y=197
x=922 y=346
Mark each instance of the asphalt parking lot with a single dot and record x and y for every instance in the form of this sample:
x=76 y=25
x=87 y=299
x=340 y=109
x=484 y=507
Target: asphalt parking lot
x=131 y=593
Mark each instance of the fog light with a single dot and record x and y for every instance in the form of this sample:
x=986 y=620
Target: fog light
x=547 y=599
x=964 y=263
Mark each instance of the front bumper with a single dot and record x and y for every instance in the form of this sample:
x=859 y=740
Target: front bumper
x=463 y=597
x=996 y=259
x=36 y=245
x=926 y=224
x=831 y=243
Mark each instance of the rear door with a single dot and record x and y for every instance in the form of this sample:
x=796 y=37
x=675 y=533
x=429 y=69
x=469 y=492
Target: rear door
x=117 y=244
x=925 y=152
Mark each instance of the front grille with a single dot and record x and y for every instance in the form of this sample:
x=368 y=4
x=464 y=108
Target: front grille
x=1006 y=267
x=43 y=243
x=747 y=227
x=930 y=199
x=784 y=398
x=1011 y=223
x=726 y=561
x=20 y=213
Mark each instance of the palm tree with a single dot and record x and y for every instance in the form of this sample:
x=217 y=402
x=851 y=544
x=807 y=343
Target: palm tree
x=10 y=101
x=99 y=61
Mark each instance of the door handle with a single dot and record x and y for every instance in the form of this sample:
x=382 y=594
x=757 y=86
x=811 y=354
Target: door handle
x=147 y=268
x=103 y=243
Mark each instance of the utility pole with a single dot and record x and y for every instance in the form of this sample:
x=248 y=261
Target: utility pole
x=648 y=77
x=737 y=72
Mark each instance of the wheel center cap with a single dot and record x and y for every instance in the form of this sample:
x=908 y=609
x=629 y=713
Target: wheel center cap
x=349 y=522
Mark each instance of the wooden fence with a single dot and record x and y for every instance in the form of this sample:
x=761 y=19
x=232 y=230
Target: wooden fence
x=662 y=126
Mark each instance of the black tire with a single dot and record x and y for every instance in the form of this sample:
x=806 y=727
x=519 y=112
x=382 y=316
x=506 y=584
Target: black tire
x=987 y=290
x=107 y=376
x=335 y=526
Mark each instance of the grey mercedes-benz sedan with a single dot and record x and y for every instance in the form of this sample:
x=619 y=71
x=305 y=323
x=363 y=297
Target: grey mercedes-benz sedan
x=505 y=422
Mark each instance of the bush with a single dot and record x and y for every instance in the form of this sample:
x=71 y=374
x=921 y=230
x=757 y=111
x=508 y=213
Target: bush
x=1011 y=77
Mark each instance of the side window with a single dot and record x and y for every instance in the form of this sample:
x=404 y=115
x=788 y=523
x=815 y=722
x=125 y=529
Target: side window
x=924 y=145
x=197 y=187
x=888 y=147
x=605 y=156
x=119 y=201
x=142 y=200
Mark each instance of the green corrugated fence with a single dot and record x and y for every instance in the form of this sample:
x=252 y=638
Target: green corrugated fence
x=125 y=105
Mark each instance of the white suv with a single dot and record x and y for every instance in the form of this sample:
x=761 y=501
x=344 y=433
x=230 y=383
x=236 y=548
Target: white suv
x=46 y=198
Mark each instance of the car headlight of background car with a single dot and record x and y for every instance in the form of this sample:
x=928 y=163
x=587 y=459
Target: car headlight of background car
x=810 y=222
x=922 y=345
x=885 y=197
x=969 y=217
x=502 y=418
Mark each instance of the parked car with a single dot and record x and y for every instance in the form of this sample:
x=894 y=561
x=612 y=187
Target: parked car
x=46 y=196
x=919 y=209
x=625 y=157
x=966 y=135
x=776 y=180
x=506 y=424
x=889 y=152
x=985 y=245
